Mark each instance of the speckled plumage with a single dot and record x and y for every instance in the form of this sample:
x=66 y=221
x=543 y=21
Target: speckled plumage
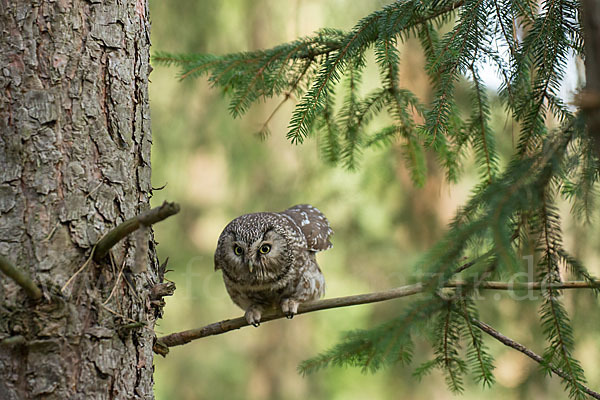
x=288 y=273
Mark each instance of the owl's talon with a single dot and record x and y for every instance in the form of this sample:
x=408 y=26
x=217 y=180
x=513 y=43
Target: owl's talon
x=289 y=307
x=253 y=315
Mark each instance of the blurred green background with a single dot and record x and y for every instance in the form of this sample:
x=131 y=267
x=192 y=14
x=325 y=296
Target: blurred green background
x=218 y=168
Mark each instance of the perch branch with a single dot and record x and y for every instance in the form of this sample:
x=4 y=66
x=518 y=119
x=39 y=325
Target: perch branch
x=146 y=218
x=519 y=347
x=21 y=278
x=217 y=328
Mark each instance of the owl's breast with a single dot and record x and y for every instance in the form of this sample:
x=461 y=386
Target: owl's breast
x=272 y=282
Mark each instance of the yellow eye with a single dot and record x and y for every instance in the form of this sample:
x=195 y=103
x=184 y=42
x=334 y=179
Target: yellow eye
x=238 y=250
x=265 y=248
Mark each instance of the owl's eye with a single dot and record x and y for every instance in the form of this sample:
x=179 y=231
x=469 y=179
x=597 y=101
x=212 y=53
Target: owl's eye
x=238 y=250
x=265 y=248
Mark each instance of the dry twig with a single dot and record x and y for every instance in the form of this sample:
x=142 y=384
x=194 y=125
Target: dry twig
x=519 y=347
x=125 y=228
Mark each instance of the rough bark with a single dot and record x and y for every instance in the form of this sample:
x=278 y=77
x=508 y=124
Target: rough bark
x=74 y=162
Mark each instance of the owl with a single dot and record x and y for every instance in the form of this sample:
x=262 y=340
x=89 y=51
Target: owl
x=268 y=259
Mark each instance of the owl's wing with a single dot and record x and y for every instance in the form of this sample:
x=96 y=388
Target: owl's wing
x=313 y=225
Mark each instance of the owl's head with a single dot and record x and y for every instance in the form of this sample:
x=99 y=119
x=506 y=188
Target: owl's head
x=254 y=249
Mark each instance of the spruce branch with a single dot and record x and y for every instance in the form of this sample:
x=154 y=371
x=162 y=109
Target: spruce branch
x=554 y=318
x=20 y=277
x=217 y=328
x=502 y=21
x=540 y=68
x=314 y=99
x=482 y=137
x=459 y=47
x=529 y=353
x=478 y=356
x=287 y=95
x=329 y=146
x=447 y=349
x=242 y=100
x=262 y=73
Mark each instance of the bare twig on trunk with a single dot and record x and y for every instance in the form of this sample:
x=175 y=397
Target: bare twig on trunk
x=21 y=278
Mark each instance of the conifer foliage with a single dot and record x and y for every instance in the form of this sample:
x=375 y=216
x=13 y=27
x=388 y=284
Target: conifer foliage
x=512 y=206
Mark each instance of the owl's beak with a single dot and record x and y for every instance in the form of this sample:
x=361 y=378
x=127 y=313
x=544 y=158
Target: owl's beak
x=250 y=266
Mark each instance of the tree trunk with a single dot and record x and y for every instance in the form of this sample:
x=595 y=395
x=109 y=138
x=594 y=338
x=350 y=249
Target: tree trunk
x=74 y=162
x=590 y=19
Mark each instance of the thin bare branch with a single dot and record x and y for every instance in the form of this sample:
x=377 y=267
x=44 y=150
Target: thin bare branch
x=217 y=328
x=21 y=278
x=147 y=218
x=85 y=264
x=112 y=292
x=519 y=347
x=288 y=95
